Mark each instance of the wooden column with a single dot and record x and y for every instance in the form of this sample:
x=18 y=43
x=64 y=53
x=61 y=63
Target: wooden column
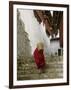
x=61 y=32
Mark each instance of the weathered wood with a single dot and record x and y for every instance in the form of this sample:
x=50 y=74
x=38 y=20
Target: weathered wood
x=61 y=32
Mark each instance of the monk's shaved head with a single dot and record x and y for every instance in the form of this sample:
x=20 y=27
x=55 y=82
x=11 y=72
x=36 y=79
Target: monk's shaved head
x=40 y=45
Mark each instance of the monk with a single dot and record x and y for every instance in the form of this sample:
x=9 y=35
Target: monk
x=39 y=56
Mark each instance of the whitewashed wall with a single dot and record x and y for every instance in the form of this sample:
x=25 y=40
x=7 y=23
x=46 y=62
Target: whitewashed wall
x=54 y=46
x=37 y=33
x=35 y=30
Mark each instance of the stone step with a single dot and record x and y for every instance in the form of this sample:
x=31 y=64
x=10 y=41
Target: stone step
x=39 y=76
x=35 y=69
x=33 y=66
x=48 y=59
x=29 y=62
x=37 y=72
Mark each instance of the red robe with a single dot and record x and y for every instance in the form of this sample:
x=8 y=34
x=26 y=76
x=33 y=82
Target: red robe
x=39 y=58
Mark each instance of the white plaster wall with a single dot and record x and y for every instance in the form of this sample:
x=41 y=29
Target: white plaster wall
x=35 y=30
x=54 y=46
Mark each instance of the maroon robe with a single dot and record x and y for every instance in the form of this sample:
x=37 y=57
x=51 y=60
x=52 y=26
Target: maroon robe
x=39 y=58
